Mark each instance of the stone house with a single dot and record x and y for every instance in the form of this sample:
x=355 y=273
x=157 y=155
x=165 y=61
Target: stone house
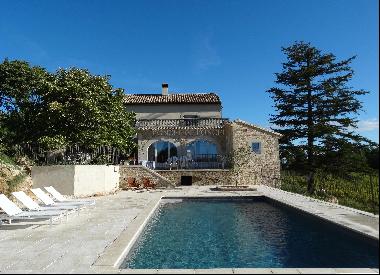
x=184 y=137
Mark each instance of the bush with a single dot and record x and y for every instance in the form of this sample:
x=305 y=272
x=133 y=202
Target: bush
x=356 y=190
x=6 y=160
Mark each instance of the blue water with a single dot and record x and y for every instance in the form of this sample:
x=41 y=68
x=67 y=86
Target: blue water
x=245 y=233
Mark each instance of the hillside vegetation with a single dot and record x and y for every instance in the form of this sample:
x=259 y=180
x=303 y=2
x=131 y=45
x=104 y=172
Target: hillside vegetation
x=13 y=176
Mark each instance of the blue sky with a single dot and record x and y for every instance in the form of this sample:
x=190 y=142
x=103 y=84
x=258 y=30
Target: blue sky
x=230 y=47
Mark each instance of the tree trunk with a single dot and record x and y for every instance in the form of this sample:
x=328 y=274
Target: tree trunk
x=310 y=182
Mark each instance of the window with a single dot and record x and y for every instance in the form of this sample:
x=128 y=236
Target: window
x=201 y=149
x=190 y=120
x=161 y=151
x=190 y=116
x=256 y=147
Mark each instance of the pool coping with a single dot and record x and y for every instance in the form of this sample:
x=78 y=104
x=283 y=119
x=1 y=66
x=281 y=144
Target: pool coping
x=112 y=257
x=352 y=226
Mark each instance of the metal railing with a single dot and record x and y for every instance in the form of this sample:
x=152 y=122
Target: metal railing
x=193 y=122
x=73 y=154
x=202 y=161
x=190 y=165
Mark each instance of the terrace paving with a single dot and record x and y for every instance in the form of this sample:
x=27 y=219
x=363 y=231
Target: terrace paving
x=85 y=243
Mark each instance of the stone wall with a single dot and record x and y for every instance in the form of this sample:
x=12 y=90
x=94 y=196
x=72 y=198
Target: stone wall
x=200 y=177
x=139 y=172
x=263 y=168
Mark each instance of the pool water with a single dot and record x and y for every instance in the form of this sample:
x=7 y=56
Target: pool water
x=245 y=234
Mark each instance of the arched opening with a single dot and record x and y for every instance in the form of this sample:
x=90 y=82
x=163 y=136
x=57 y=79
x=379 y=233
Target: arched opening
x=161 y=151
x=202 y=150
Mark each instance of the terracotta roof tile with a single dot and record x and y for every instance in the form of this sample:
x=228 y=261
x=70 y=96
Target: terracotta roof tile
x=198 y=98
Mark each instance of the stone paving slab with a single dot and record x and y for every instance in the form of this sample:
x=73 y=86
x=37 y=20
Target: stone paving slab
x=356 y=220
x=72 y=245
x=78 y=245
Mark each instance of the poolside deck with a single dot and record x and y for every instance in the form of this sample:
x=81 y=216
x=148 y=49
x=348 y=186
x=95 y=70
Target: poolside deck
x=90 y=243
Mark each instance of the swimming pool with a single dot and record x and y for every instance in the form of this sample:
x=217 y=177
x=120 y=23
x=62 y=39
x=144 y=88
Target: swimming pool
x=245 y=233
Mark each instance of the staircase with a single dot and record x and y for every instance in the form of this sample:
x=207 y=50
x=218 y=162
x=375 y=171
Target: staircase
x=139 y=172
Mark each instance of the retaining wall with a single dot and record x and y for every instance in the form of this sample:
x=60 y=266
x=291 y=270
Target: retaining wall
x=199 y=176
x=139 y=172
x=77 y=180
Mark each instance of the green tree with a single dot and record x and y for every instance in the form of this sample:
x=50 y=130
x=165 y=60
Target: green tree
x=343 y=157
x=19 y=86
x=315 y=107
x=78 y=107
x=372 y=154
x=62 y=108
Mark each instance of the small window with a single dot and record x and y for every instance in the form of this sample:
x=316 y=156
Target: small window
x=191 y=120
x=190 y=116
x=256 y=147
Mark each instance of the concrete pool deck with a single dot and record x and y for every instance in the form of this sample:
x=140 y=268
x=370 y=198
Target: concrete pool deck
x=94 y=240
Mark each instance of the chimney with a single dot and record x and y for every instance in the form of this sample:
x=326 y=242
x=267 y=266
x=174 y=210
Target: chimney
x=165 y=88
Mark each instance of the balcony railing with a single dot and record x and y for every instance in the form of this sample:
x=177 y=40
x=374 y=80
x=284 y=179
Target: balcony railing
x=200 y=161
x=193 y=122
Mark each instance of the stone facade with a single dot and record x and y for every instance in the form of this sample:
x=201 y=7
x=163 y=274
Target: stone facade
x=199 y=177
x=176 y=120
x=180 y=137
x=263 y=168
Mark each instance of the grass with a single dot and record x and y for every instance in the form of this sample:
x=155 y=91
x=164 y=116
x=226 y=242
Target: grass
x=6 y=159
x=356 y=190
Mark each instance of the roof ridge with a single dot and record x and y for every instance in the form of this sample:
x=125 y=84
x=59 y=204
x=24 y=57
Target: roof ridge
x=257 y=127
x=176 y=93
x=180 y=98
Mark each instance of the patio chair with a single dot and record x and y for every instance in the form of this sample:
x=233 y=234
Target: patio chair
x=13 y=212
x=148 y=184
x=31 y=205
x=132 y=183
x=61 y=199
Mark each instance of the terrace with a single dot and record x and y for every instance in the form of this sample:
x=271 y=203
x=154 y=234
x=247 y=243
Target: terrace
x=200 y=161
x=94 y=240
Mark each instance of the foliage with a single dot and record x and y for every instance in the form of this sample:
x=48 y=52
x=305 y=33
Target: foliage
x=372 y=156
x=315 y=108
x=100 y=159
x=11 y=174
x=4 y=159
x=357 y=190
x=63 y=108
x=19 y=86
x=15 y=181
x=52 y=143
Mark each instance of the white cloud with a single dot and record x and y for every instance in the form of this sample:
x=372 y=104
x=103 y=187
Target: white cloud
x=367 y=125
x=206 y=54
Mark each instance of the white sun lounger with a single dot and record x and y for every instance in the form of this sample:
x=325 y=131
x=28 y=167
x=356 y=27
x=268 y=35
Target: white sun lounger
x=60 y=198
x=30 y=204
x=42 y=196
x=13 y=212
